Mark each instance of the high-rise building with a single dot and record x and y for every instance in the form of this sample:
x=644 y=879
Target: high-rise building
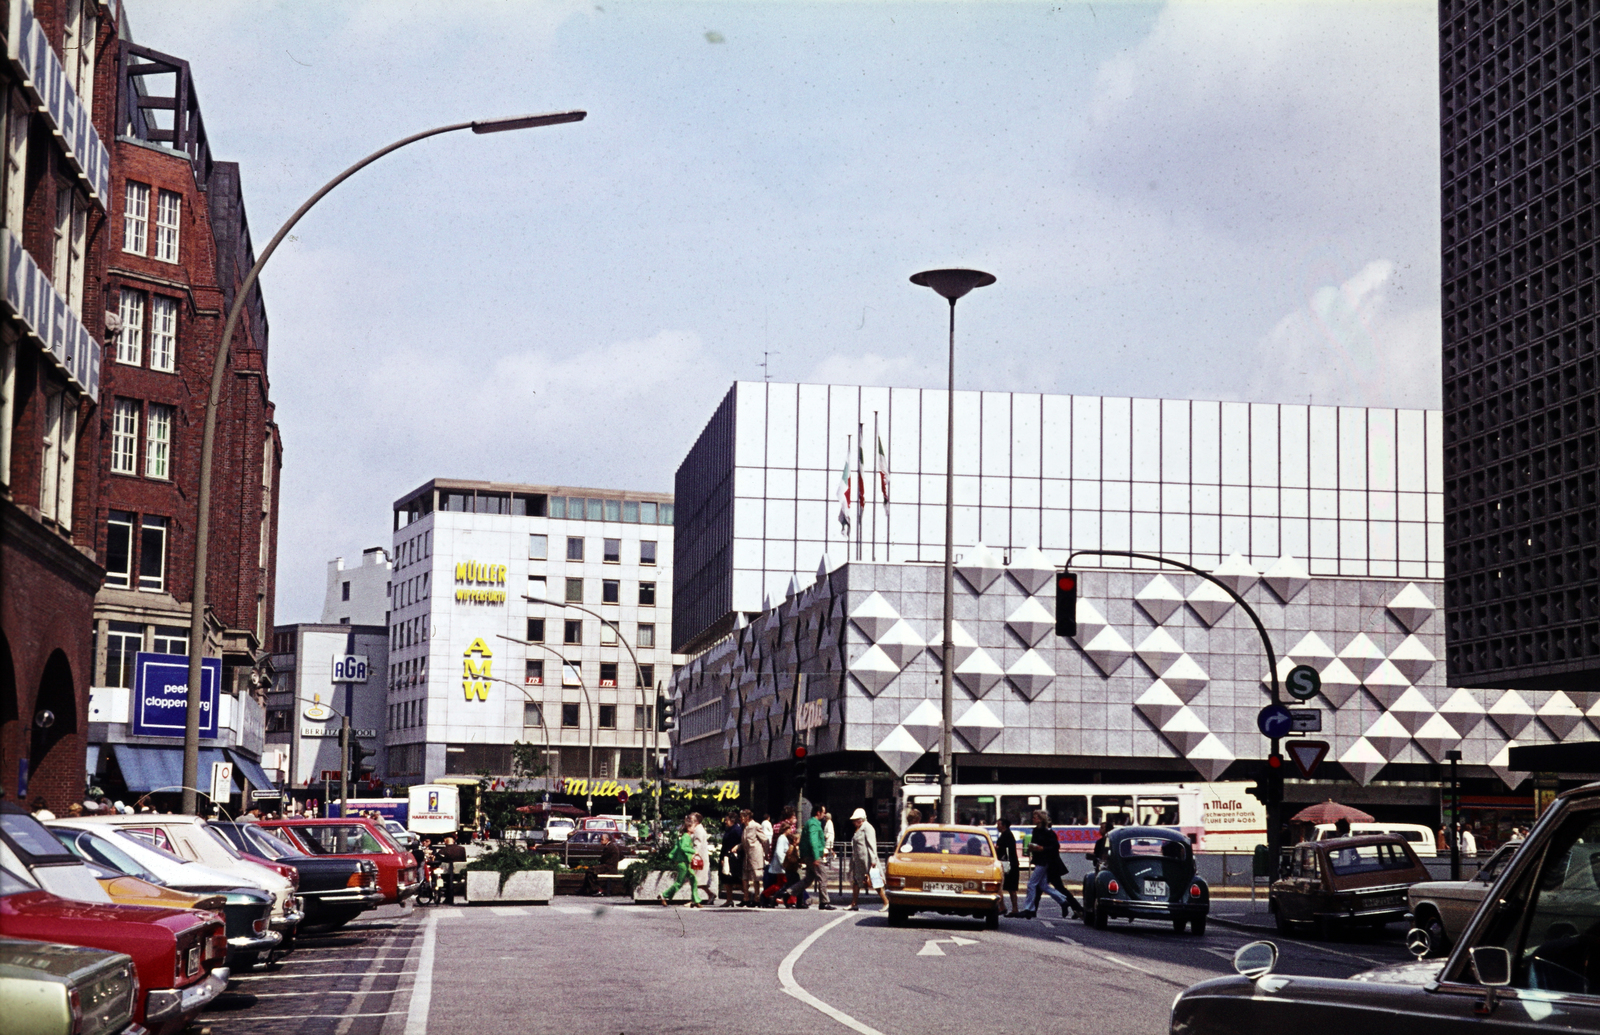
x=358 y=595
x=1518 y=95
x=512 y=615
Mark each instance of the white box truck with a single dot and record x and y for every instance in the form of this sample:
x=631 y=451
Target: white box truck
x=435 y=808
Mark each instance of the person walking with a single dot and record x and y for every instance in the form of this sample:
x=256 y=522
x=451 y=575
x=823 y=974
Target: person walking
x=732 y=866
x=864 y=861
x=1100 y=849
x=755 y=845
x=682 y=856
x=700 y=863
x=814 y=854
x=1005 y=850
x=1045 y=848
x=777 y=866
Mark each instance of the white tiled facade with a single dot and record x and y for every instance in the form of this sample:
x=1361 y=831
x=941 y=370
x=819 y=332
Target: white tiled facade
x=461 y=683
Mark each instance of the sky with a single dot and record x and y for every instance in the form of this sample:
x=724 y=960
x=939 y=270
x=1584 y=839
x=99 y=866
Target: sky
x=1200 y=200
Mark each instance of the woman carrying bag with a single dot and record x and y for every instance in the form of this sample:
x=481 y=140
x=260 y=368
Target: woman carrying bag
x=865 y=867
x=683 y=856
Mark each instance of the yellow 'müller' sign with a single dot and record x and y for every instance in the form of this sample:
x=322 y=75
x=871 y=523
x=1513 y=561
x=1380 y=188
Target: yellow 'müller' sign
x=472 y=574
x=476 y=670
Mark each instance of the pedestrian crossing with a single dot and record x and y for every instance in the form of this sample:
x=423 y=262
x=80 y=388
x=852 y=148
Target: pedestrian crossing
x=557 y=909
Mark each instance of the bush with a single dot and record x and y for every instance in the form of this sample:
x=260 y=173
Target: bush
x=509 y=859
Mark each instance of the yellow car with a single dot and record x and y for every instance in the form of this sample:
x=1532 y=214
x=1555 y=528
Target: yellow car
x=944 y=869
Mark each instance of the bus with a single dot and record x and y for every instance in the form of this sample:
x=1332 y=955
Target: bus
x=1075 y=810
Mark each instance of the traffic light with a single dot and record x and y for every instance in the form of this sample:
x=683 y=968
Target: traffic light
x=1066 y=604
x=359 y=754
x=800 y=764
x=667 y=714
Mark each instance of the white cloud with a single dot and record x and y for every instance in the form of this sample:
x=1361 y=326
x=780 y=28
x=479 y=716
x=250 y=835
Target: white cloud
x=1353 y=343
x=871 y=369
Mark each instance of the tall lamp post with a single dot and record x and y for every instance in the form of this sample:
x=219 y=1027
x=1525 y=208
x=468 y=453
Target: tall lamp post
x=951 y=284
x=202 y=542
x=589 y=801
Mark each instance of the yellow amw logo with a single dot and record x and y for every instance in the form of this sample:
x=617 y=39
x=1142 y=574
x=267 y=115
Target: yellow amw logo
x=477 y=669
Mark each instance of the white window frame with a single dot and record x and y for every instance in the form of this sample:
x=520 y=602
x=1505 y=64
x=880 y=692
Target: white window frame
x=645 y=629
x=8 y=403
x=71 y=227
x=50 y=461
x=159 y=583
x=163 y=333
x=169 y=213
x=130 y=340
x=124 y=436
x=158 y=441
x=81 y=28
x=120 y=579
x=136 y=218
x=16 y=159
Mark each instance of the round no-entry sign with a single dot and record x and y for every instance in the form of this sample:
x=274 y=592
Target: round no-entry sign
x=1274 y=721
x=623 y=794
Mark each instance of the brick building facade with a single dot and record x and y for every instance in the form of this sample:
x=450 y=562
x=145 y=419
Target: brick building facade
x=58 y=81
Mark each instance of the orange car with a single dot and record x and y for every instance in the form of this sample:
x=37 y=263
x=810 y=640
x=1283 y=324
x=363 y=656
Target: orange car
x=944 y=869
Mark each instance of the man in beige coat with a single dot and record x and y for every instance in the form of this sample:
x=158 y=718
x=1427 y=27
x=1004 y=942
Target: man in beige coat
x=756 y=845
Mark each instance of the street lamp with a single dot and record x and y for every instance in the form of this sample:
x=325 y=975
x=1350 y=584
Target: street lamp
x=589 y=801
x=952 y=284
x=202 y=541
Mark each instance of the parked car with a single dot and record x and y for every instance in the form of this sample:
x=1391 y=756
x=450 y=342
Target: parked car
x=246 y=911
x=1149 y=875
x=332 y=891
x=355 y=838
x=192 y=839
x=1420 y=838
x=1525 y=966
x=559 y=828
x=1441 y=908
x=178 y=953
x=66 y=989
x=1346 y=882
x=584 y=845
x=944 y=869
x=400 y=835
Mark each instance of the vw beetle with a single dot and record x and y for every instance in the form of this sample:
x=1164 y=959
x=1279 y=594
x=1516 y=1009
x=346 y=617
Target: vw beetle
x=1148 y=875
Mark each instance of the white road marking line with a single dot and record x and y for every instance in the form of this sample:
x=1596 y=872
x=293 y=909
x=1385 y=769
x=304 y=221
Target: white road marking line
x=786 y=978
x=213 y=1019
x=446 y=913
x=346 y=959
x=571 y=910
x=508 y=911
x=1069 y=941
x=364 y=973
x=422 y=988
x=1224 y=953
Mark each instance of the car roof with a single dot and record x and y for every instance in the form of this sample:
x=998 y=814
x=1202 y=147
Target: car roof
x=1359 y=839
x=1164 y=833
x=954 y=828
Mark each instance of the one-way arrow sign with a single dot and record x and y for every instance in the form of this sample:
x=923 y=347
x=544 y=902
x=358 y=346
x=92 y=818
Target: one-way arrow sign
x=1307 y=755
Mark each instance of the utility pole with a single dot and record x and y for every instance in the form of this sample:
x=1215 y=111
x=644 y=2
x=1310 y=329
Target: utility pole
x=1454 y=756
x=344 y=774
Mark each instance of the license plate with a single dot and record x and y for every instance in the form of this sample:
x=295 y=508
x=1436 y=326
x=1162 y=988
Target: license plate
x=1385 y=902
x=1155 y=889
x=932 y=885
x=194 y=960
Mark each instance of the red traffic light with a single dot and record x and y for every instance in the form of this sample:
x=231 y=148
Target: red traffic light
x=1275 y=761
x=1067 y=582
x=799 y=751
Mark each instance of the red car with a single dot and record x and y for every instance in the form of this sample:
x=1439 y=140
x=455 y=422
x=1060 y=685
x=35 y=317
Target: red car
x=399 y=876
x=178 y=953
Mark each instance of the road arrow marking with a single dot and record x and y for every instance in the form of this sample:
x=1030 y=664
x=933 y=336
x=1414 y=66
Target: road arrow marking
x=932 y=948
x=962 y=941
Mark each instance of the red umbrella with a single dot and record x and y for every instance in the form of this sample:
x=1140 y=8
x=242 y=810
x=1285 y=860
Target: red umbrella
x=1330 y=811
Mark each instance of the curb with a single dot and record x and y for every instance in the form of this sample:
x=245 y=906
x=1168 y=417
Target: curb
x=1240 y=925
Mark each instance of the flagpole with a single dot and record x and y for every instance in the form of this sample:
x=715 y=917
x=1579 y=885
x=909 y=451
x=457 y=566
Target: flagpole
x=875 y=472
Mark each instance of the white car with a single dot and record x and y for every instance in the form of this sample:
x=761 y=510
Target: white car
x=1418 y=836
x=185 y=853
x=400 y=835
x=558 y=828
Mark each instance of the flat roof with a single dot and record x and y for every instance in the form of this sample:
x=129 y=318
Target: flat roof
x=467 y=484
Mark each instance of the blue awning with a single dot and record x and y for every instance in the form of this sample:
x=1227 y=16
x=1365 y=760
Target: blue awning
x=250 y=770
x=146 y=769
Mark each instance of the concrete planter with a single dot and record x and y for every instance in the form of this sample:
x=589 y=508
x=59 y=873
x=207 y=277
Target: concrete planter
x=656 y=883
x=522 y=886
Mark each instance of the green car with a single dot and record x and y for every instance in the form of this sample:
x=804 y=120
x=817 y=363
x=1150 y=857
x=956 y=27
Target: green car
x=65 y=990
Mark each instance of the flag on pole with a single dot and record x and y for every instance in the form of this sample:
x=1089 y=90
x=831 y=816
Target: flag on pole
x=844 y=493
x=861 y=473
x=883 y=470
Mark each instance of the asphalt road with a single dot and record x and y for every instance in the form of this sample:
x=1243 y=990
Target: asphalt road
x=605 y=966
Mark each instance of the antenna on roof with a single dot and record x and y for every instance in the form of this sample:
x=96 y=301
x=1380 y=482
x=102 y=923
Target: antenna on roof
x=766 y=364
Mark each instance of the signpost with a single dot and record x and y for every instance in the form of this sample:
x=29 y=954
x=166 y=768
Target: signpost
x=1307 y=755
x=221 y=781
x=1303 y=682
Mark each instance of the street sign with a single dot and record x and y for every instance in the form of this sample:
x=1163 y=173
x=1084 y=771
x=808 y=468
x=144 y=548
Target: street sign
x=1307 y=755
x=1305 y=720
x=221 y=781
x=1303 y=682
x=1274 y=721
x=161 y=695
x=264 y=795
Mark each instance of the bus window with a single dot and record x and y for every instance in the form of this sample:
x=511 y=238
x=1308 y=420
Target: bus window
x=1069 y=810
x=975 y=811
x=1118 y=808
x=1158 y=812
x=1018 y=808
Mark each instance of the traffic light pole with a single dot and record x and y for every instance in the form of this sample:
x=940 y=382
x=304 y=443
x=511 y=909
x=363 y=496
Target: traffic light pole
x=1273 y=779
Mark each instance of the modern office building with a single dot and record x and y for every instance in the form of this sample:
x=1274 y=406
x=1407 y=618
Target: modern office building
x=1327 y=520
x=358 y=595
x=324 y=671
x=1521 y=377
x=476 y=667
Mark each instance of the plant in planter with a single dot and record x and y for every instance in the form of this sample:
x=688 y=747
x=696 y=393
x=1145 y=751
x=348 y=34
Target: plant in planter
x=647 y=878
x=512 y=873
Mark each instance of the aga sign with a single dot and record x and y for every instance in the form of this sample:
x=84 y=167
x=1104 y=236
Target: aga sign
x=350 y=668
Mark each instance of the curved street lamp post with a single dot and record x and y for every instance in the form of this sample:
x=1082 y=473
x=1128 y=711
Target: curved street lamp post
x=951 y=284
x=197 y=626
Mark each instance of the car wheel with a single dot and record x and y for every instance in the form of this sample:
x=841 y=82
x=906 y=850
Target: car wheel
x=1102 y=915
x=1326 y=929
x=898 y=916
x=1284 y=926
x=1179 y=925
x=1198 y=925
x=992 y=920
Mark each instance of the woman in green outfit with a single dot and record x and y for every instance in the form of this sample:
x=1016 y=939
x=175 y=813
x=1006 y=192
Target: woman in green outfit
x=683 y=852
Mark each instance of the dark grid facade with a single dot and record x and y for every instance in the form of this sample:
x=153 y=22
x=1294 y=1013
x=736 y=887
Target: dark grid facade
x=1518 y=115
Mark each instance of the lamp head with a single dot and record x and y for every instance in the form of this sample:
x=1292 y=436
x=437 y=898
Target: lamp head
x=503 y=125
x=952 y=284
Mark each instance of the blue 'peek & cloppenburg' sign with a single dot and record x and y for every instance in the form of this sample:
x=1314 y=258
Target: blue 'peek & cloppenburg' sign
x=161 y=694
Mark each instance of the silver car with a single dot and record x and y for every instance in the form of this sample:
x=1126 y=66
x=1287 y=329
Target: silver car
x=1440 y=909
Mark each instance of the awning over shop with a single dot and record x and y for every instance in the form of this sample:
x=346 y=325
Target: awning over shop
x=146 y=769
x=251 y=771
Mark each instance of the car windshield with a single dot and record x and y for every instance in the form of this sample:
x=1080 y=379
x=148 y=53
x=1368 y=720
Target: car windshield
x=227 y=846
x=1155 y=847
x=1358 y=859
x=96 y=849
x=28 y=834
x=1497 y=862
x=947 y=842
x=268 y=844
x=11 y=884
x=323 y=838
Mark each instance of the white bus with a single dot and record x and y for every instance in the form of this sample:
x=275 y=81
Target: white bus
x=1233 y=819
